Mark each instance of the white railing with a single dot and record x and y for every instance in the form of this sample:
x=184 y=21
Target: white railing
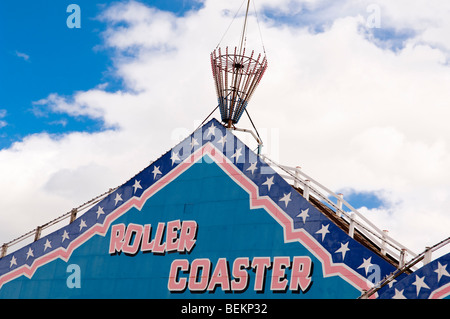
x=355 y=220
x=37 y=233
x=424 y=257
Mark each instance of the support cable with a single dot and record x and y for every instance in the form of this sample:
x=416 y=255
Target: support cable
x=207 y=117
x=259 y=28
x=226 y=31
x=251 y=121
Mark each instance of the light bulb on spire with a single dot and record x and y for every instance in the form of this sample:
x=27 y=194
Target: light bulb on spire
x=236 y=76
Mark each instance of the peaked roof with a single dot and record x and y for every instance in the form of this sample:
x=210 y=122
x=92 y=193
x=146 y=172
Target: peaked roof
x=301 y=221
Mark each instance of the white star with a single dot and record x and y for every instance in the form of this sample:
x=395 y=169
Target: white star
x=100 y=211
x=286 y=199
x=175 y=157
x=344 y=248
x=304 y=214
x=47 y=244
x=366 y=264
x=65 y=235
x=441 y=271
x=211 y=130
x=420 y=283
x=222 y=140
x=268 y=182
x=137 y=185
x=118 y=198
x=237 y=154
x=323 y=231
x=13 y=262
x=399 y=294
x=391 y=283
x=156 y=171
x=30 y=253
x=252 y=167
x=82 y=224
x=193 y=142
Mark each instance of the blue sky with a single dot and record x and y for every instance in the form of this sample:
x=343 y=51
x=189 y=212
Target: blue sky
x=40 y=55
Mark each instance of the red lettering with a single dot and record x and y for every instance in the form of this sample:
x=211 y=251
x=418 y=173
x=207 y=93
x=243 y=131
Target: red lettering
x=200 y=270
x=260 y=264
x=146 y=245
x=279 y=266
x=220 y=276
x=201 y=280
x=117 y=234
x=159 y=247
x=240 y=281
x=300 y=274
x=177 y=265
x=128 y=247
x=172 y=235
x=187 y=236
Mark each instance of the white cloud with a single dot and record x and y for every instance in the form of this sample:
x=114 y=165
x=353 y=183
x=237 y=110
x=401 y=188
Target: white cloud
x=62 y=122
x=22 y=55
x=57 y=104
x=352 y=113
x=2 y=115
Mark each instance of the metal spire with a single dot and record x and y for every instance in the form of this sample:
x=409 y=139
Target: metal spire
x=236 y=76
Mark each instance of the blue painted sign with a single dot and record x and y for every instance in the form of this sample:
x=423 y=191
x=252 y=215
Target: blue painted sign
x=208 y=219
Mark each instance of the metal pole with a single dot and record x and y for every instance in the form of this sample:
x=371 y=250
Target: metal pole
x=306 y=190
x=4 y=249
x=243 y=29
x=351 y=228
x=73 y=215
x=383 y=242
x=339 y=204
x=427 y=256
x=37 y=233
